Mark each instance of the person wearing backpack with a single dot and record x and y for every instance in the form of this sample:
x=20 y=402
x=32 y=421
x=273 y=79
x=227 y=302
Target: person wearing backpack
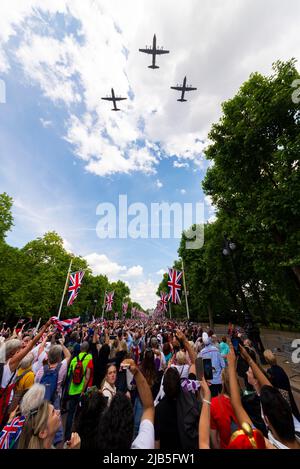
x=14 y=353
x=79 y=373
x=52 y=376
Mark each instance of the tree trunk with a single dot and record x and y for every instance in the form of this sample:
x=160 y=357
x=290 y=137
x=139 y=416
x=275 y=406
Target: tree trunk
x=210 y=315
x=296 y=271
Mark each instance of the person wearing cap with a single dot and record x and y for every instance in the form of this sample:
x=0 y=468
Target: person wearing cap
x=217 y=361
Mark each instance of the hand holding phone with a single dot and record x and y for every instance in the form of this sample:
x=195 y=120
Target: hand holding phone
x=208 y=369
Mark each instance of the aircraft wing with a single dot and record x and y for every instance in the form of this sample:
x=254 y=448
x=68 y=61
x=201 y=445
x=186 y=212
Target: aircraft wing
x=147 y=51
x=108 y=99
x=189 y=88
x=177 y=88
x=161 y=51
x=119 y=99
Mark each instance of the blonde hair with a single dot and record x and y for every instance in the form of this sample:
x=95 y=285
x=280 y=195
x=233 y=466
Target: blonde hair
x=181 y=358
x=35 y=423
x=270 y=357
x=122 y=346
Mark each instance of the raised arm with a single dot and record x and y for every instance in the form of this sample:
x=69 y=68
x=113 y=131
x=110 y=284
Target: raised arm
x=204 y=421
x=187 y=345
x=16 y=359
x=236 y=402
x=144 y=390
x=259 y=375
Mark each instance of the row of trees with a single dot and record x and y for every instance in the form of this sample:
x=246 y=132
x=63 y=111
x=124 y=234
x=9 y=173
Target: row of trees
x=33 y=278
x=254 y=183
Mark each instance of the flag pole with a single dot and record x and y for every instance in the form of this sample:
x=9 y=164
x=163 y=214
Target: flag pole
x=103 y=306
x=64 y=292
x=170 y=309
x=184 y=285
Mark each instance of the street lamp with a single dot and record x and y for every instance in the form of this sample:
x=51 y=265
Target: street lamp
x=250 y=328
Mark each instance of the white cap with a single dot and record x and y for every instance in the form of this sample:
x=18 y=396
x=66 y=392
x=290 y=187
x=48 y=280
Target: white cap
x=205 y=338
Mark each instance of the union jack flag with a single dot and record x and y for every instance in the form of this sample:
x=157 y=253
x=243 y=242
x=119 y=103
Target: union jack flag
x=65 y=323
x=164 y=300
x=74 y=287
x=174 y=283
x=133 y=312
x=109 y=300
x=11 y=432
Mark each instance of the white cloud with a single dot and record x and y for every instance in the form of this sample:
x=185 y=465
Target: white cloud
x=67 y=245
x=101 y=264
x=160 y=272
x=158 y=184
x=45 y=123
x=144 y=293
x=82 y=66
x=182 y=191
x=135 y=271
x=177 y=164
x=211 y=209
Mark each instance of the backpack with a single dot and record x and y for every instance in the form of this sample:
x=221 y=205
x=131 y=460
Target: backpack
x=78 y=371
x=188 y=414
x=49 y=380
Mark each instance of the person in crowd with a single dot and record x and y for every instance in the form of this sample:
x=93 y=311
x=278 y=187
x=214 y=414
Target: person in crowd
x=245 y=436
x=23 y=381
x=224 y=348
x=108 y=386
x=280 y=380
x=166 y=425
x=14 y=354
x=222 y=415
x=10 y=434
x=40 y=427
x=210 y=351
x=80 y=376
x=167 y=351
x=93 y=405
x=116 y=425
x=276 y=411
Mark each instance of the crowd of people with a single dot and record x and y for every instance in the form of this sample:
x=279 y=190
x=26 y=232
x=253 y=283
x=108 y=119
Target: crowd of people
x=116 y=385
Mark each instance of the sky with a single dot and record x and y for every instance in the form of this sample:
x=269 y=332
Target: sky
x=63 y=151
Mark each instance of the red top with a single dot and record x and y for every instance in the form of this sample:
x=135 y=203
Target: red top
x=221 y=414
x=90 y=365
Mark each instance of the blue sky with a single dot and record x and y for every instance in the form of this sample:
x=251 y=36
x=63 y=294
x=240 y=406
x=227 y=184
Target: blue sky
x=63 y=152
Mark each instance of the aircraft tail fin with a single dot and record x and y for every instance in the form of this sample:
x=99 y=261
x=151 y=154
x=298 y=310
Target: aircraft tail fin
x=116 y=109
x=153 y=66
x=182 y=100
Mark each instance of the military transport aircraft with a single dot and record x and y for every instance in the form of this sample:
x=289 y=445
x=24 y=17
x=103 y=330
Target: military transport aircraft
x=183 y=89
x=154 y=51
x=114 y=99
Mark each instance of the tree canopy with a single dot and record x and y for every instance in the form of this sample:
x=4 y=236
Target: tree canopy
x=254 y=184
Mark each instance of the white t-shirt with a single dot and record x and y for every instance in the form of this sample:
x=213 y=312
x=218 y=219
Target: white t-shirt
x=145 y=438
x=7 y=374
x=183 y=370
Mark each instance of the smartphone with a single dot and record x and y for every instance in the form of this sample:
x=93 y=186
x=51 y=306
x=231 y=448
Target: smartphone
x=126 y=366
x=199 y=368
x=207 y=367
x=112 y=337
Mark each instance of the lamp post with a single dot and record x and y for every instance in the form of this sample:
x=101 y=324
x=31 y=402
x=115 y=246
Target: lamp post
x=250 y=328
